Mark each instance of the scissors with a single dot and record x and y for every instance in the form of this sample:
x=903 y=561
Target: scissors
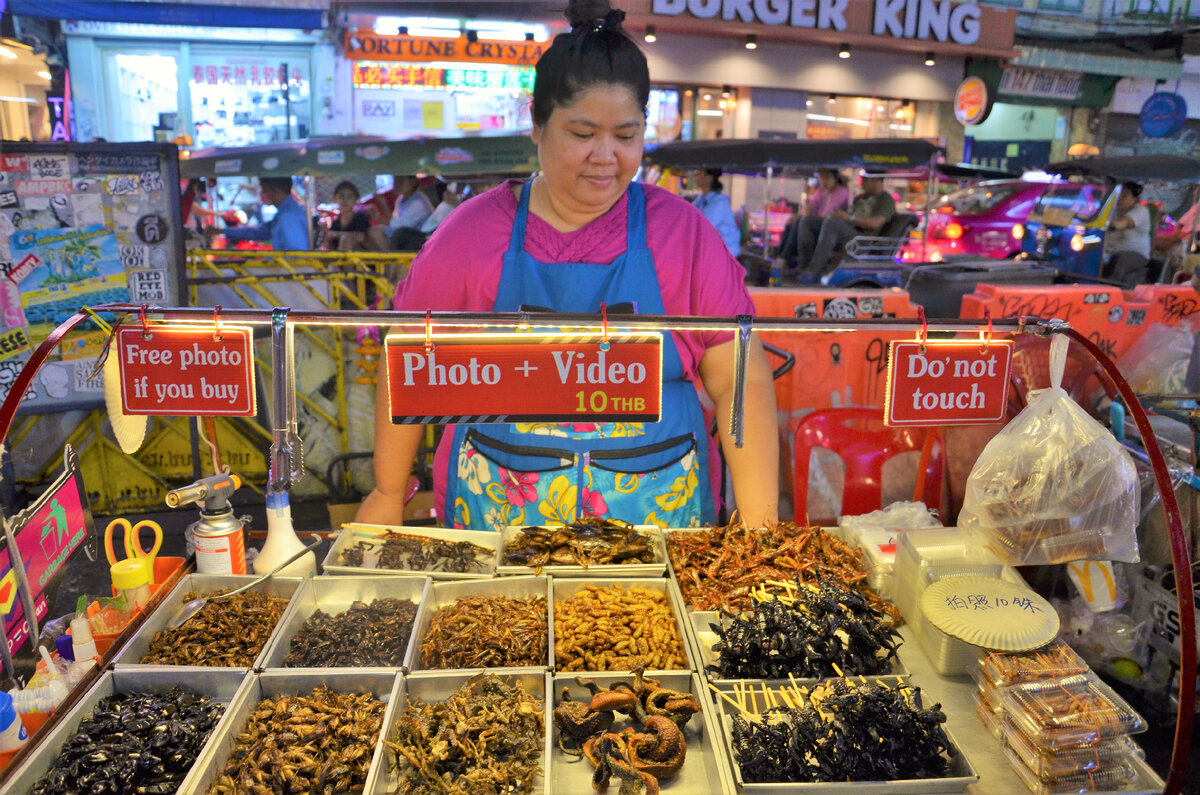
x=133 y=539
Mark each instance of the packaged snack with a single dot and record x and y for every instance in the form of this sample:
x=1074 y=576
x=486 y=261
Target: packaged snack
x=988 y=693
x=1109 y=780
x=1070 y=710
x=990 y=719
x=1052 y=765
x=1055 y=659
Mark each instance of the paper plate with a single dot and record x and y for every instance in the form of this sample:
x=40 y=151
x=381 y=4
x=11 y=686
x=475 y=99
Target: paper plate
x=130 y=429
x=990 y=612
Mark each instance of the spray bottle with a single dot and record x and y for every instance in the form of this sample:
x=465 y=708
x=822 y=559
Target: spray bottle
x=220 y=543
x=282 y=541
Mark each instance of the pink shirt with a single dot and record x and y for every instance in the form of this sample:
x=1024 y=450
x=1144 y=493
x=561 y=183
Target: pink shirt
x=459 y=266
x=822 y=204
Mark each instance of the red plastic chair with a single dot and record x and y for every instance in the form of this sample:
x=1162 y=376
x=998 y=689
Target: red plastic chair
x=864 y=443
x=1083 y=378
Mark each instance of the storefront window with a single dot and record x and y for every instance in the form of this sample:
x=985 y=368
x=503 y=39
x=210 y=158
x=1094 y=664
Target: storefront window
x=833 y=117
x=663 y=121
x=240 y=99
x=144 y=93
x=24 y=88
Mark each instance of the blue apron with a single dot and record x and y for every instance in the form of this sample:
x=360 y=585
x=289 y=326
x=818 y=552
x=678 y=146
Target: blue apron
x=557 y=473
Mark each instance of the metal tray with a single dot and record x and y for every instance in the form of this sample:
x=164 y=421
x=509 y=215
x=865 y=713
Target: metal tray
x=441 y=594
x=139 y=644
x=221 y=684
x=704 y=638
x=270 y=684
x=706 y=769
x=961 y=774
x=656 y=569
x=565 y=588
x=335 y=595
x=433 y=686
x=346 y=539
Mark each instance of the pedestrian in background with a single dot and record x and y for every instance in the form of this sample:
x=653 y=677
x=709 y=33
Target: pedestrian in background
x=715 y=205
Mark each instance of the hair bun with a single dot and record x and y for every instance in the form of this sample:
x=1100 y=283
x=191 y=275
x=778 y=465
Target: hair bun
x=592 y=14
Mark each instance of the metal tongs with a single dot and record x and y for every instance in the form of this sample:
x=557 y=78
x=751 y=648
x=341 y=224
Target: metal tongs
x=189 y=609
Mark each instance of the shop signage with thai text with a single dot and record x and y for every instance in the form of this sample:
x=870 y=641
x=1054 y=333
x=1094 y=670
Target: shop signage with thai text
x=373 y=46
x=376 y=74
x=187 y=371
x=1044 y=83
x=928 y=20
x=954 y=382
x=557 y=377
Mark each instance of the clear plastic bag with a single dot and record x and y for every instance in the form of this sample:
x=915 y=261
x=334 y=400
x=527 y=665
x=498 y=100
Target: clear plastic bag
x=1053 y=485
x=1158 y=360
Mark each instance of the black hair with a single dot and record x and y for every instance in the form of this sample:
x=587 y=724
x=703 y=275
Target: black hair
x=1132 y=188
x=838 y=178
x=350 y=186
x=716 y=173
x=596 y=51
x=278 y=183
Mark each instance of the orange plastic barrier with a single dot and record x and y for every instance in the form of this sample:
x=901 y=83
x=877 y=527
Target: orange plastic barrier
x=1170 y=303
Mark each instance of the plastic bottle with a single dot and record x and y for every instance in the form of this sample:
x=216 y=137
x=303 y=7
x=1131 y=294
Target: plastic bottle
x=12 y=731
x=131 y=578
x=82 y=644
x=282 y=541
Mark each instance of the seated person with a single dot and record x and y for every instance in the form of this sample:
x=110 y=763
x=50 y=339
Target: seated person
x=450 y=197
x=1127 y=243
x=347 y=232
x=411 y=210
x=288 y=230
x=870 y=212
x=800 y=237
x=716 y=208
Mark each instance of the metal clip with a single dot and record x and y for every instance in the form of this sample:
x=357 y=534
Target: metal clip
x=741 y=353
x=287 y=451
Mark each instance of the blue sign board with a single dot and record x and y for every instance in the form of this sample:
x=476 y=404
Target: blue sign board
x=1162 y=114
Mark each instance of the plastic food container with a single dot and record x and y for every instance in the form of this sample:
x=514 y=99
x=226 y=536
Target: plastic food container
x=991 y=719
x=1054 y=660
x=1055 y=713
x=1052 y=765
x=988 y=693
x=1116 y=778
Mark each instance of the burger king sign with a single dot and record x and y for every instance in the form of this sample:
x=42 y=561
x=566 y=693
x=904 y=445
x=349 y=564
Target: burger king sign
x=972 y=101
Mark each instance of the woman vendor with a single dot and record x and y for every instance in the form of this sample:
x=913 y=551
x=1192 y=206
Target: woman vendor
x=578 y=234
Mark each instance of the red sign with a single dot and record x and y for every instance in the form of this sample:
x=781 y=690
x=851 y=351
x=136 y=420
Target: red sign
x=187 y=371
x=951 y=382
x=24 y=268
x=14 y=163
x=524 y=377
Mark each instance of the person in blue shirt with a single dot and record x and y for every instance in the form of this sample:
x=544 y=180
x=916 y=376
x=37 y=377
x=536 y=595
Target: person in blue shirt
x=288 y=230
x=715 y=206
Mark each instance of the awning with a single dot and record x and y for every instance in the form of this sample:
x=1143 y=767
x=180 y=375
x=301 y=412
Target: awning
x=298 y=14
x=1114 y=65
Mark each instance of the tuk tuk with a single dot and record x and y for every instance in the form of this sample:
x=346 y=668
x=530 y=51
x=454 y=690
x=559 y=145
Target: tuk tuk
x=1068 y=224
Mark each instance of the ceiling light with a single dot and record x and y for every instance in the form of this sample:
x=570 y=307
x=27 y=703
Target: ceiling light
x=723 y=104
x=751 y=41
x=707 y=97
x=879 y=108
x=843 y=50
x=808 y=103
x=929 y=59
x=7 y=53
x=529 y=36
x=651 y=36
x=402 y=30
x=832 y=99
x=726 y=91
x=472 y=36
x=44 y=75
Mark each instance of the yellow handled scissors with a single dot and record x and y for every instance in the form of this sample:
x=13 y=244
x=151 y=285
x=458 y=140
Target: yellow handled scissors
x=132 y=538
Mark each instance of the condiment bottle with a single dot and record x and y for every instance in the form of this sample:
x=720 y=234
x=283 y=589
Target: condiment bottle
x=131 y=579
x=282 y=541
x=82 y=644
x=12 y=731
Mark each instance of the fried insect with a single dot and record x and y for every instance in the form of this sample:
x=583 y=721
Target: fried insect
x=717 y=567
x=225 y=633
x=613 y=629
x=590 y=541
x=486 y=737
x=316 y=742
x=487 y=632
x=140 y=743
x=365 y=635
x=403 y=551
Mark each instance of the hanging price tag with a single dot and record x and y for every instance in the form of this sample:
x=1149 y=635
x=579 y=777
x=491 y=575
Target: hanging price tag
x=187 y=371
x=947 y=382
x=524 y=377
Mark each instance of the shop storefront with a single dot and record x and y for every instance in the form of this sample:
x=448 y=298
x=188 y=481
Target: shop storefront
x=29 y=108
x=220 y=86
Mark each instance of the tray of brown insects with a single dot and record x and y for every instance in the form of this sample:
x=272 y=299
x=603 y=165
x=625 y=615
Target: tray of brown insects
x=304 y=730
x=221 y=685
x=441 y=553
x=664 y=725
x=510 y=706
x=494 y=624
x=348 y=622
x=617 y=624
x=233 y=632
x=593 y=547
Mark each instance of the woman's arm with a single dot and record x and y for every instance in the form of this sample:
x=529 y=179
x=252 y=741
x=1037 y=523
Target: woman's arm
x=755 y=466
x=395 y=450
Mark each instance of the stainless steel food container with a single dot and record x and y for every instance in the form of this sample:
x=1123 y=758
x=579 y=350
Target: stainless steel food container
x=565 y=588
x=139 y=644
x=656 y=569
x=270 y=684
x=432 y=686
x=961 y=774
x=335 y=595
x=704 y=638
x=442 y=594
x=705 y=771
x=221 y=684
x=347 y=539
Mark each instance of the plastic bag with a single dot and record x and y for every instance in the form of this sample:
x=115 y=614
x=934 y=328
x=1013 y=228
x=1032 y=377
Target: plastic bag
x=905 y=515
x=1053 y=485
x=1158 y=360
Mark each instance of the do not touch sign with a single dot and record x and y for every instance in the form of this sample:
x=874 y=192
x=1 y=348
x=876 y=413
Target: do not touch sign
x=187 y=371
x=950 y=382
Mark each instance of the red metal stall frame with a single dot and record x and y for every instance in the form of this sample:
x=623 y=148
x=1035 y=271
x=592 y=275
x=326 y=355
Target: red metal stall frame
x=1180 y=558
